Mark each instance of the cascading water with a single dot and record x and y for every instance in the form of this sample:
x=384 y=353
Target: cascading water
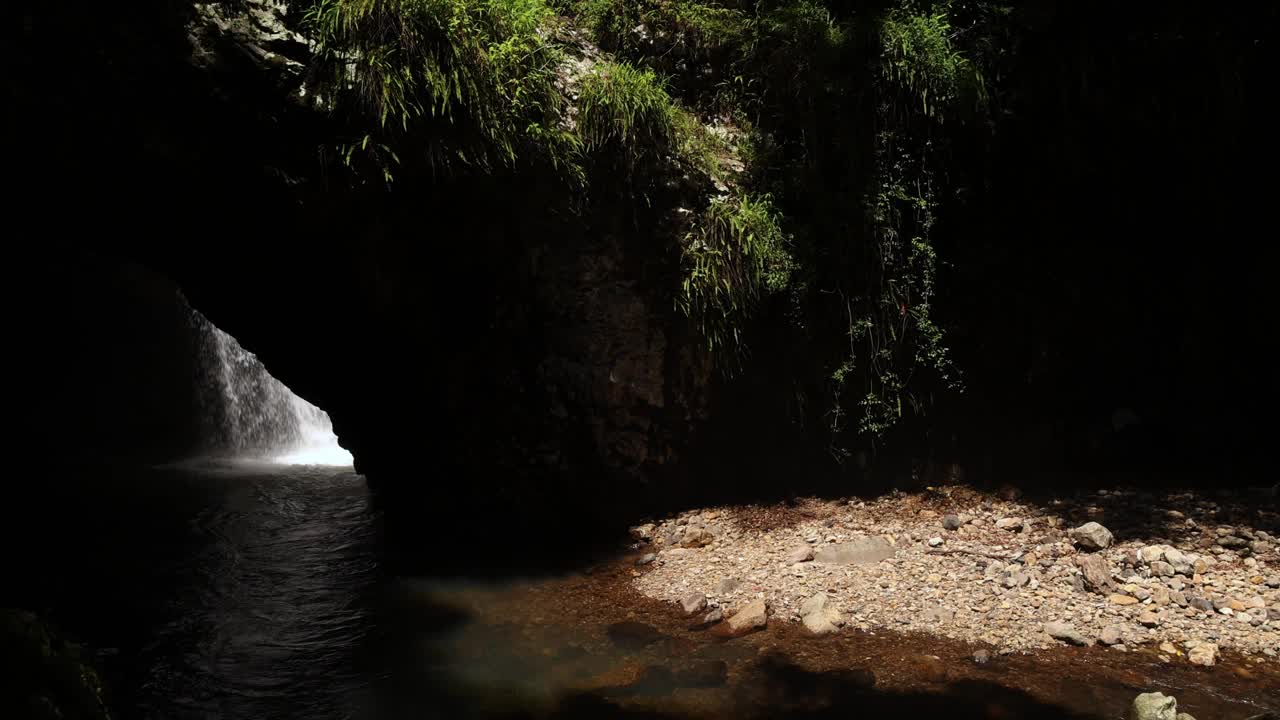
x=252 y=414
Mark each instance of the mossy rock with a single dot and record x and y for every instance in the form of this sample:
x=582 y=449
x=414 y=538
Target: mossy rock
x=47 y=676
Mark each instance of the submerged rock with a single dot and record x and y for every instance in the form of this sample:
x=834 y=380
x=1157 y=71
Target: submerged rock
x=632 y=635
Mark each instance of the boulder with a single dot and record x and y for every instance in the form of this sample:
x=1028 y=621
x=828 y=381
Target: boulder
x=859 y=551
x=1205 y=654
x=1064 y=632
x=804 y=553
x=819 y=616
x=952 y=522
x=752 y=616
x=1091 y=536
x=1153 y=706
x=1097 y=573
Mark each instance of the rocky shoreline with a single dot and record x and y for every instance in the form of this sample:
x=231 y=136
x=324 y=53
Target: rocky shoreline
x=1185 y=575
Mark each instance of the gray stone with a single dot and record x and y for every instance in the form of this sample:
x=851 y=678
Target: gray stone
x=1064 y=632
x=1231 y=541
x=819 y=616
x=952 y=522
x=1091 y=536
x=1097 y=573
x=1179 y=560
x=752 y=616
x=935 y=541
x=728 y=585
x=1150 y=554
x=1015 y=580
x=803 y=553
x=1201 y=603
x=982 y=657
x=1260 y=546
x=1148 y=619
x=643 y=532
x=696 y=537
x=859 y=551
x=714 y=616
x=1162 y=569
x=1153 y=706
x=1111 y=635
x=1204 y=654
x=695 y=603
x=646 y=558
x=939 y=615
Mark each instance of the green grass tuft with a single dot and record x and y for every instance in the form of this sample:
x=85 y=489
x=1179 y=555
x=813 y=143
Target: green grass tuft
x=626 y=109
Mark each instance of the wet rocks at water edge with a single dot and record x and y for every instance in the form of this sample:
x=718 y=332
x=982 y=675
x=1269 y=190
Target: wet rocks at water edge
x=753 y=616
x=1091 y=536
x=1066 y=633
x=819 y=616
x=1205 y=654
x=694 y=603
x=1111 y=635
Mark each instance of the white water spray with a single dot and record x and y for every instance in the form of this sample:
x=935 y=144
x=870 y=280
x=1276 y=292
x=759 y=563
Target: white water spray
x=258 y=416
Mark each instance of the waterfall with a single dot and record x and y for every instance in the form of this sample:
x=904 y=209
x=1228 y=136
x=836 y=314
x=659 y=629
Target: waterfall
x=249 y=413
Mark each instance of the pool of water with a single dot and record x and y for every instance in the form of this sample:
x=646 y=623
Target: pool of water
x=253 y=590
